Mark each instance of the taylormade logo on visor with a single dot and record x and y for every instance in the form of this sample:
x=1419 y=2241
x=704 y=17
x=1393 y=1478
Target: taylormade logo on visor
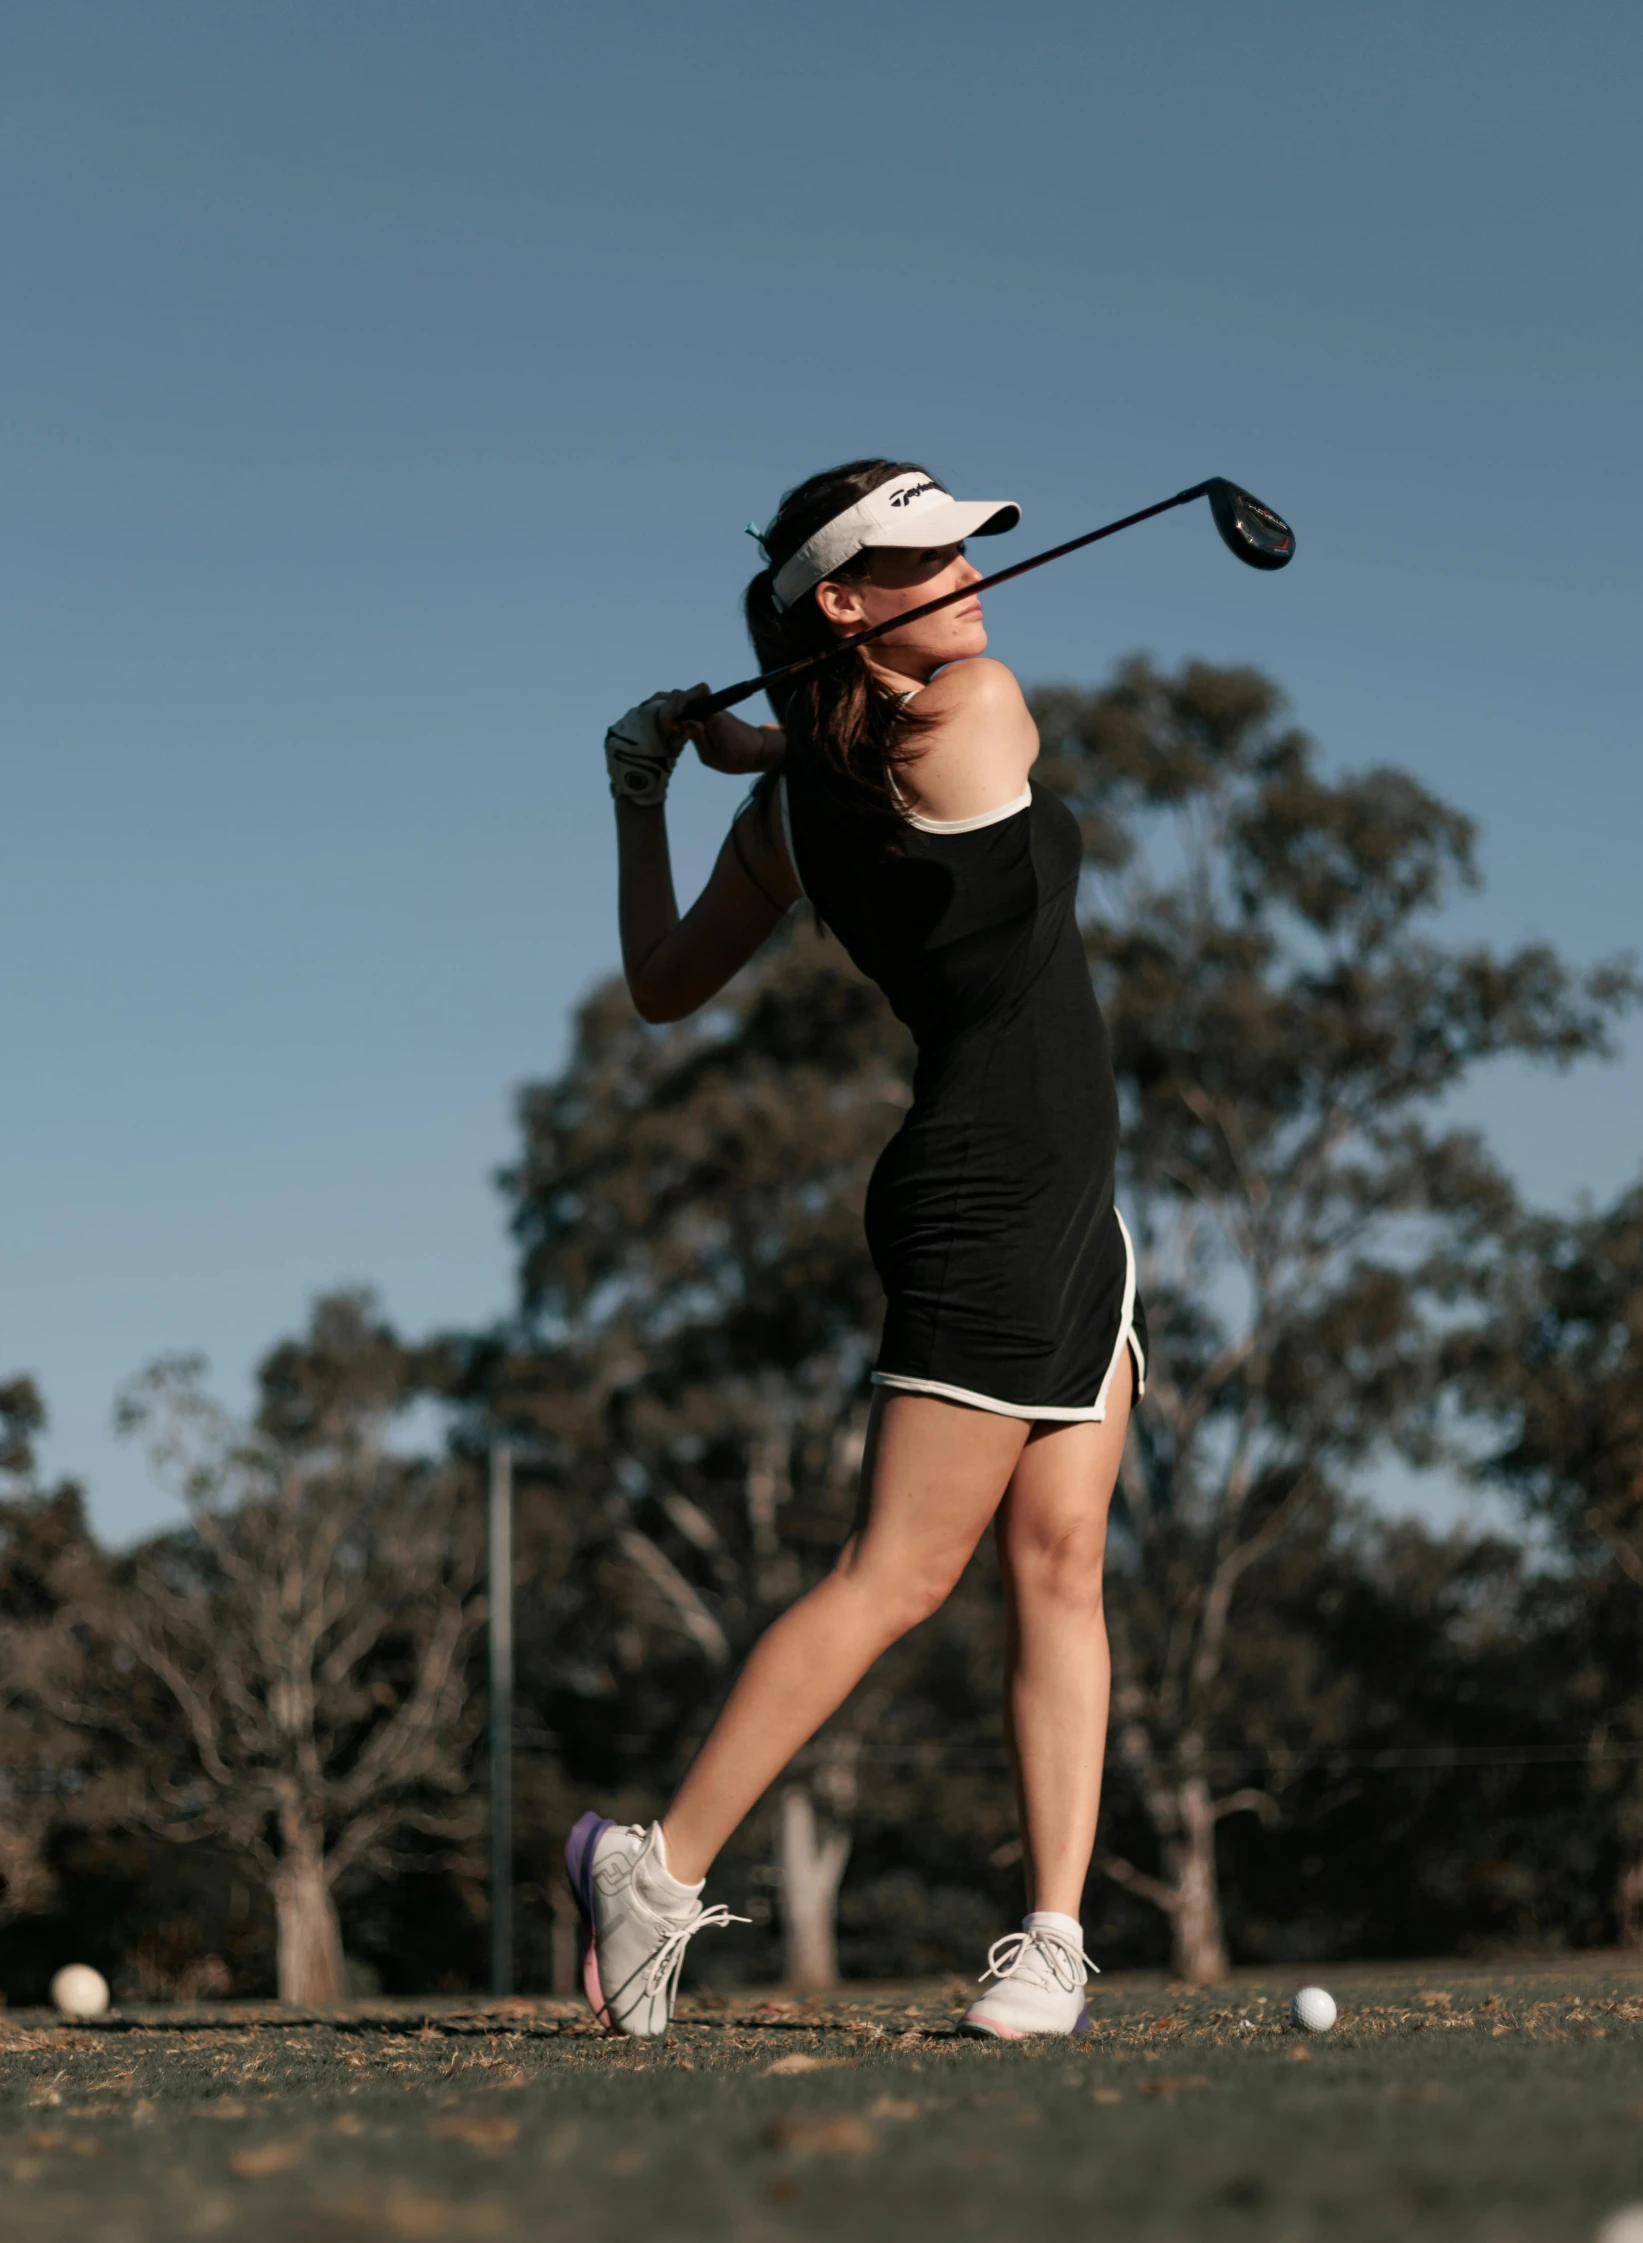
x=908 y=511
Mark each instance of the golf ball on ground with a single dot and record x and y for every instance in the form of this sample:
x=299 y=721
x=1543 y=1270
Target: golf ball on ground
x=80 y=1991
x=1313 y=2010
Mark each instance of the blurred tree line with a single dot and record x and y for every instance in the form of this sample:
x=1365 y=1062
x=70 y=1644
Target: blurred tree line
x=248 y=1755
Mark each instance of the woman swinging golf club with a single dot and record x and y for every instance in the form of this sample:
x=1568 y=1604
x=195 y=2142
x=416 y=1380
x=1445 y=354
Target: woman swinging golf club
x=896 y=795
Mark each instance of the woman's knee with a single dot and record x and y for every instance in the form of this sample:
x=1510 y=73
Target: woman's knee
x=899 y=1595
x=1065 y=1571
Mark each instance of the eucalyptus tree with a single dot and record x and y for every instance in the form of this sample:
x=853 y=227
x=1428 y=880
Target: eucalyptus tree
x=49 y=1769
x=1556 y=1373
x=309 y=1626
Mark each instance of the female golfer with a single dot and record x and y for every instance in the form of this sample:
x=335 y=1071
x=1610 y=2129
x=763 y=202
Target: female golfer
x=896 y=795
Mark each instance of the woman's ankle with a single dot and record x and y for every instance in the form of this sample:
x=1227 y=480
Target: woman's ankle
x=688 y=1865
x=659 y=1884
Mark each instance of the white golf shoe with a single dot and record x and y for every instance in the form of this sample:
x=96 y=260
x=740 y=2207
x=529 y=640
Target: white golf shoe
x=1040 y=1973
x=635 y=1952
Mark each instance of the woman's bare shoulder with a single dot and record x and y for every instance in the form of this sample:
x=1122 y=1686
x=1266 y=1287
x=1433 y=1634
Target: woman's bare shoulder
x=975 y=741
x=980 y=685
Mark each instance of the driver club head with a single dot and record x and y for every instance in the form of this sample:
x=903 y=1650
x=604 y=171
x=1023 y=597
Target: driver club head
x=1258 y=536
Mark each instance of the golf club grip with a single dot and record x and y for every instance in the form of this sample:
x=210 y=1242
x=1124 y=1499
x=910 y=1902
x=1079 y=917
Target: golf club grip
x=709 y=704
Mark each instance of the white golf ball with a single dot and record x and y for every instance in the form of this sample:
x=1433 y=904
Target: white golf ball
x=1313 y=2010
x=80 y=1991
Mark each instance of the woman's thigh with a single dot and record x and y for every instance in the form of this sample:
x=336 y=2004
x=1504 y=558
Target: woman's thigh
x=933 y=1475
x=1055 y=1510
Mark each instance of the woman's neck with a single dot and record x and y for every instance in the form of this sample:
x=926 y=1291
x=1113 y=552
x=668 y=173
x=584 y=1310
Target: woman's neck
x=902 y=673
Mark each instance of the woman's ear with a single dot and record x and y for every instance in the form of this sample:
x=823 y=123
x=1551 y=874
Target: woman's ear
x=841 y=603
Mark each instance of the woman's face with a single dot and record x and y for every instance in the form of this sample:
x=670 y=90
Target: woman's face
x=901 y=578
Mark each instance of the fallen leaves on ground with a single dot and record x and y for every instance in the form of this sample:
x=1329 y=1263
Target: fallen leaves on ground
x=800 y=2062
x=481 y=2130
x=810 y=2136
x=262 y=2160
x=1167 y=2089
x=407 y=2213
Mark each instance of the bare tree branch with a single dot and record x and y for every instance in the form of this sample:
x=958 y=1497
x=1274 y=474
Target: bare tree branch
x=1135 y=1881
x=1250 y=1801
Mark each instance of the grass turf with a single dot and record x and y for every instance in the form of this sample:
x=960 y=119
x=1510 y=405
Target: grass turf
x=1482 y=2106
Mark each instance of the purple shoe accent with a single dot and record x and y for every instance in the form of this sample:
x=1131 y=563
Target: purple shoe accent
x=579 y=1861
x=1084 y=2024
x=579 y=1870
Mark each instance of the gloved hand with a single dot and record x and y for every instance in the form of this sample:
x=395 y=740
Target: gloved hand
x=638 y=757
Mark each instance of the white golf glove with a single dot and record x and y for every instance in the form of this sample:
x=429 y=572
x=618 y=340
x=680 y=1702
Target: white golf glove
x=639 y=760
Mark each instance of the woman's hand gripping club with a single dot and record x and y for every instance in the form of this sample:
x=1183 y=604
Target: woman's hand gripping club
x=642 y=747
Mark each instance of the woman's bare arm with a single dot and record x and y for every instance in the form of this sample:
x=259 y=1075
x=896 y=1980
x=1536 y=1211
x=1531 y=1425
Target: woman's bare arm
x=674 y=965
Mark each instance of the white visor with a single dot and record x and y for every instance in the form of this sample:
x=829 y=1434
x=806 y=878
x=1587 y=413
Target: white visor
x=909 y=510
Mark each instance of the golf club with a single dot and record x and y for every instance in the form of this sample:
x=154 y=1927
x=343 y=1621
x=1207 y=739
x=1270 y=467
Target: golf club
x=1259 y=537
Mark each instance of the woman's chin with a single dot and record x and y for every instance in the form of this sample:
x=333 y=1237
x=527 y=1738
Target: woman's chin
x=960 y=645
x=956 y=645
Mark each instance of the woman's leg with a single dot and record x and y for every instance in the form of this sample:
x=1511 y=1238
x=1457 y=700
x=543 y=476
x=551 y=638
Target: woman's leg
x=932 y=1478
x=1052 y=1539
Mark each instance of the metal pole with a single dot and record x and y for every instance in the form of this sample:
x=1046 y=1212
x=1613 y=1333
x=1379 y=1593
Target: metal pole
x=501 y=1604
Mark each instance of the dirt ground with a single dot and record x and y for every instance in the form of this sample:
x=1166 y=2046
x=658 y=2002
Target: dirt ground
x=1478 y=2105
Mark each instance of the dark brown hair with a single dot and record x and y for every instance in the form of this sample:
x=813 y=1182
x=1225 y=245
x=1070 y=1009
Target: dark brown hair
x=841 y=709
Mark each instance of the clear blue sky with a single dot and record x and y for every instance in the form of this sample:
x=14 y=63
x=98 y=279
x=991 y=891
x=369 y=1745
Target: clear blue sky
x=383 y=390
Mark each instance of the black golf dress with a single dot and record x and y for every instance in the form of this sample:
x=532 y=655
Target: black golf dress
x=1008 y=1273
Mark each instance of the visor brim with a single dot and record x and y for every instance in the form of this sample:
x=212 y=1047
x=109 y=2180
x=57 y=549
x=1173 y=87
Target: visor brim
x=948 y=525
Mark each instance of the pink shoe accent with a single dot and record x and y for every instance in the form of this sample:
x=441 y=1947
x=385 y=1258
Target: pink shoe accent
x=589 y=1829
x=593 y=1990
x=984 y=2031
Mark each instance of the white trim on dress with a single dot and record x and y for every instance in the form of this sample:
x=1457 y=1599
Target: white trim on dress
x=1023 y=801
x=1094 y=1414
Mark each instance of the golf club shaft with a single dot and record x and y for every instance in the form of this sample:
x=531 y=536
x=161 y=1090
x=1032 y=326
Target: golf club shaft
x=709 y=704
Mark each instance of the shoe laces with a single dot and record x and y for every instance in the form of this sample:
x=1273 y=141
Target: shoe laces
x=669 y=1959
x=1057 y=1957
